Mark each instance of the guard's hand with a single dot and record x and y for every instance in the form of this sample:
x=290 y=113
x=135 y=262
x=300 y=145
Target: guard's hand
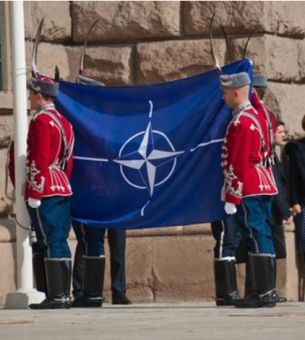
x=33 y=203
x=289 y=220
x=230 y=208
x=296 y=209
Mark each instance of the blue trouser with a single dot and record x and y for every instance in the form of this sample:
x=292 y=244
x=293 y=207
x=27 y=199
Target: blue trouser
x=117 y=245
x=51 y=222
x=253 y=217
x=251 y=223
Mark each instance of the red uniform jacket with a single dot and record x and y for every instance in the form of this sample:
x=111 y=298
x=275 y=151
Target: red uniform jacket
x=46 y=174
x=245 y=153
x=260 y=106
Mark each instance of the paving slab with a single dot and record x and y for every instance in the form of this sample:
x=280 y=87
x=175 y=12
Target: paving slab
x=156 y=321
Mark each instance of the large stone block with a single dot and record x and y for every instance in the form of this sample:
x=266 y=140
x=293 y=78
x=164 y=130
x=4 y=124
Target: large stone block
x=172 y=60
x=6 y=205
x=8 y=260
x=125 y=20
x=281 y=275
x=110 y=65
x=197 y=229
x=292 y=102
x=191 y=229
x=286 y=18
x=50 y=55
x=294 y=288
x=8 y=271
x=238 y=17
x=6 y=130
x=7 y=230
x=234 y=16
x=271 y=56
x=300 y=61
x=183 y=268
x=139 y=268
x=57 y=20
x=164 y=231
x=6 y=100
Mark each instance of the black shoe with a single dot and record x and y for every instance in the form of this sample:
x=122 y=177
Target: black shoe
x=254 y=300
x=280 y=299
x=77 y=294
x=120 y=300
x=85 y=302
x=50 y=303
x=227 y=300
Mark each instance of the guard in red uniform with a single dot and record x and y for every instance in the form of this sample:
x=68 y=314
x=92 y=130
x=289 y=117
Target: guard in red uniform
x=249 y=185
x=47 y=192
x=280 y=206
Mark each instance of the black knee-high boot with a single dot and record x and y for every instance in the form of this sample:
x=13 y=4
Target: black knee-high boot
x=225 y=282
x=94 y=272
x=39 y=272
x=58 y=273
x=262 y=278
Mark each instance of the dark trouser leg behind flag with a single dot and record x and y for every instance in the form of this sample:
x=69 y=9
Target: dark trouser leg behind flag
x=89 y=266
x=117 y=245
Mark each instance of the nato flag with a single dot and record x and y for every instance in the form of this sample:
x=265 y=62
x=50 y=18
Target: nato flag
x=148 y=156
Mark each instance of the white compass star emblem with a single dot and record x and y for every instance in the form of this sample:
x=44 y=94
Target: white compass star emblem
x=147 y=159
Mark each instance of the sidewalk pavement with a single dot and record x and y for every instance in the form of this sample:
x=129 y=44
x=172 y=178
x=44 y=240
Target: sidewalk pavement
x=156 y=321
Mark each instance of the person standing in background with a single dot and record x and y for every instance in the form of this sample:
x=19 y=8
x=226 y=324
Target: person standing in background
x=296 y=178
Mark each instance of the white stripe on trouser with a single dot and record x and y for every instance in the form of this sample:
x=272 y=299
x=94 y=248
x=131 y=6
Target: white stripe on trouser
x=42 y=232
x=220 y=254
x=222 y=235
x=261 y=254
x=93 y=257
x=58 y=259
x=249 y=228
x=227 y=258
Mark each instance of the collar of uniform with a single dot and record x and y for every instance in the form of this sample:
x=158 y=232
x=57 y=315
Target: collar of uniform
x=241 y=108
x=43 y=108
x=46 y=106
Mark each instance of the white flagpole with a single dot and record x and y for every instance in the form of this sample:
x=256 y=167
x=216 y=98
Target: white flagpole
x=25 y=293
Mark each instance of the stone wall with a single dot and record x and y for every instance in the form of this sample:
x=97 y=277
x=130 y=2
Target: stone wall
x=138 y=43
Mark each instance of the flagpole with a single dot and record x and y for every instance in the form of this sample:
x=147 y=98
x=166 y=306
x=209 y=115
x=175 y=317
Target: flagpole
x=25 y=293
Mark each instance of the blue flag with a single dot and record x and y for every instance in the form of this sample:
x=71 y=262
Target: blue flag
x=148 y=156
